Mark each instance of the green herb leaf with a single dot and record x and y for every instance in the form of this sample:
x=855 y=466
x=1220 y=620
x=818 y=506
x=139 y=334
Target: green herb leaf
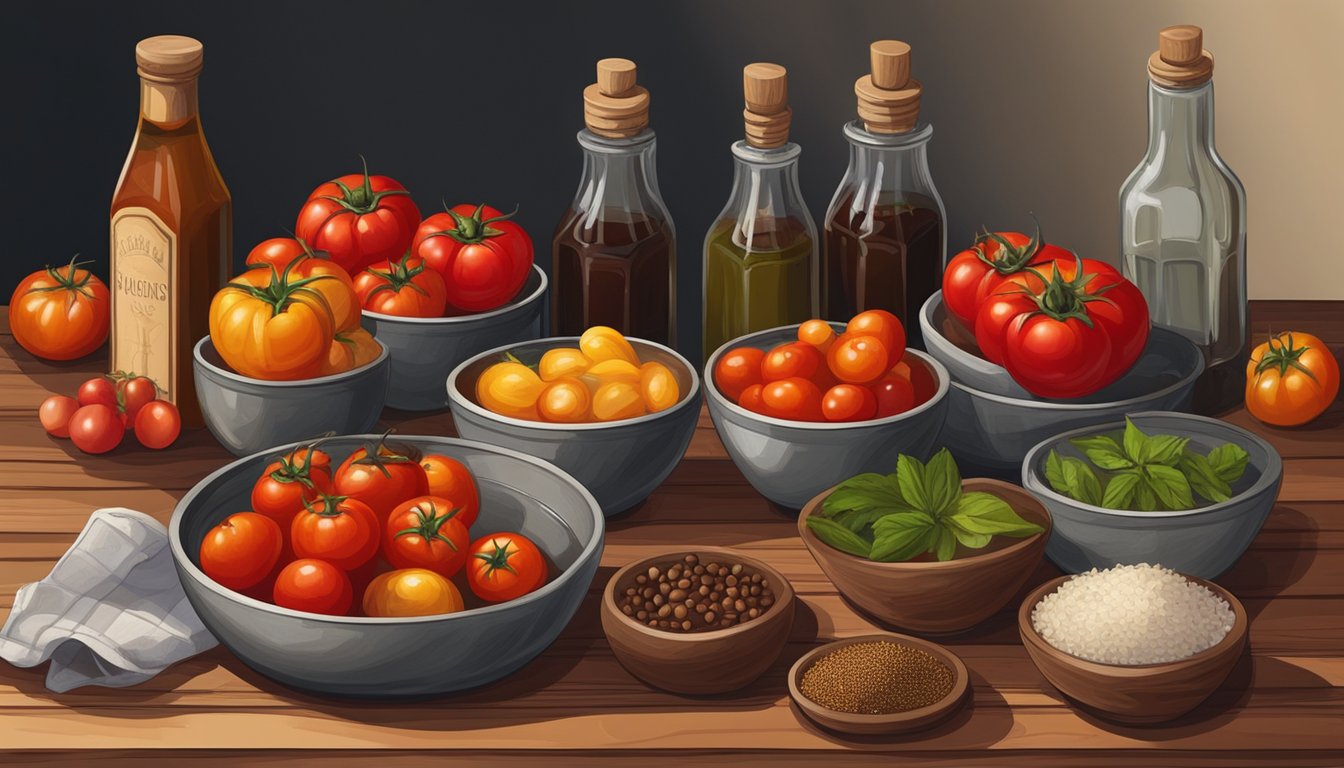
x=942 y=482
x=910 y=478
x=968 y=539
x=839 y=536
x=947 y=544
x=1144 y=497
x=862 y=493
x=1082 y=481
x=1166 y=449
x=1171 y=487
x=1054 y=473
x=903 y=535
x=1136 y=443
x=860 y=521
x=979 y=512
x=1103 y=451
x=1204 y=480
x=1121 y=489
x=1229 y=461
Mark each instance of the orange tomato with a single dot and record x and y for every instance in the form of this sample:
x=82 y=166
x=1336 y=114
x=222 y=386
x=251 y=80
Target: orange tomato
x=565 y=400
x=411 y=592
x=450 y=479
x=602 y=343
x=562 y=361
x=60 y=313
x=658 y=387
x=796 y=399
x=1291 y=379
x=617 y=400
x=510 y=389
x=272 y=325
x=858 y=359
x=818 y=333
x=792 y=359
x=349 y=350
x=885 y=326
x=302 y=261
x=849 y=402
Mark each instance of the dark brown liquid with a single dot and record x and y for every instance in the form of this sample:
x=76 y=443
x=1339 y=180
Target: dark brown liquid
x=616 y=272
x=894 y=262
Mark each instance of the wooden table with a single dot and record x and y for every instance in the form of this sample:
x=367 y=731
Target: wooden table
x=1283 y=705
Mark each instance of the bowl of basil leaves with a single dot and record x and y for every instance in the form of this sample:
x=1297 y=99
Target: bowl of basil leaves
x=922 y=549
x=1189 y=492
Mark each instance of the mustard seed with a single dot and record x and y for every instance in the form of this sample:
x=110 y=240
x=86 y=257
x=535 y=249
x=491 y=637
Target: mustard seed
x=877 y=678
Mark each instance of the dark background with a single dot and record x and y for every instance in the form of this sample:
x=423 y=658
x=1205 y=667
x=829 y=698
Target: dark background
x=481 y=101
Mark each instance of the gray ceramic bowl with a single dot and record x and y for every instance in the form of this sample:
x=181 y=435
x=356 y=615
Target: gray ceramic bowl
x=1201 y=542
x=247 y=415
x=990 y=434
x=789 y=462
x=619 y=462
x=426 y=349
x=385 y=657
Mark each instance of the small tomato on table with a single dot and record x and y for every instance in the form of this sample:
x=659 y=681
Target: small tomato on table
x=60 y=313
x=1291 y=379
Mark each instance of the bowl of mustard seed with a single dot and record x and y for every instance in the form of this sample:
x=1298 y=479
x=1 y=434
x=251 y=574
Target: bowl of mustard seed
x=879 y=684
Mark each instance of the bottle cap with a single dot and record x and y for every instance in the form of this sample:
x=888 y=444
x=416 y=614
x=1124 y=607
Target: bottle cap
x=169 y=58
x=765 y=89
x=1180 y=60
x=888 y=98
x=614 y=106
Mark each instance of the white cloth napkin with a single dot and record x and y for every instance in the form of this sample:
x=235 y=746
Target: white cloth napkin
x=111 y=612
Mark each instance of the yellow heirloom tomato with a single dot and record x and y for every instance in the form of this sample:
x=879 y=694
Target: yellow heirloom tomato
x=617 y=400
x=658 y=387
x=510 y=389
x=563 y=361
x=350 y=349
x=272 y=325
x=566 y=401
x=612 y=370
x=602 y=343
x=411 y=592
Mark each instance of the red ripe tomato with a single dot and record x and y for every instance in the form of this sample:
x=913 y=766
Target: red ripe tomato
x=484 y=258
x=894 y=394
x=425 y=532
x=136 y=393
x=382 y=476
x=919 y=375
x=405 y=288
x=752 y=400
x=859 y=359
x=976 y=272
x=98 y=390
x=793 y=359
x=96 y=428
x=314 y=586
x=287 y=483
x=158 y=424
x=60 y=313
x=55 y=413
x=738 y=369
x=796 y=399
x=341 y=531
x=241 y=551
x=883 y=325
x=359 y=220
x=449 y=478
x=1056 y=358
x=849 y=402
x=505 y=566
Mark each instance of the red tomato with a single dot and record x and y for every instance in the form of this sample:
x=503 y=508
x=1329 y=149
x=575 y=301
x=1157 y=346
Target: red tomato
x=752 y=400
x=96 y=428
x=791 y=359
x=314 y=456
x=795 y=399
x=359 y=220
x=55 y=413
x=859 y=359
x=849 y=402
x=505 y=566
x=158 y=424
x=894 y=394
x=425 y=532
x=976 y=272
x=405 y=288
x=60 y=313
x=885 y=326
x=919 y=375
x=483 y=257
x=287 y=483
x=136 y=393
x=449 y=478
x=314 y=586
x=98 y=390
x=382 y=476
x=341 y=531
x=241 y=551
x=738 y=369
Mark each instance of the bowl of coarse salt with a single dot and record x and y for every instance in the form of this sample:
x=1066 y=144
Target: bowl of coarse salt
x=1134 y=643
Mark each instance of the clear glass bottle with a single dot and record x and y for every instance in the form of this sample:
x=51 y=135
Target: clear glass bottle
x=614 y=250
x=761 y=258
x=1183 y=221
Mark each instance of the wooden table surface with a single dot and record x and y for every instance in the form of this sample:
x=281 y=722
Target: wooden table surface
x=1283 y=704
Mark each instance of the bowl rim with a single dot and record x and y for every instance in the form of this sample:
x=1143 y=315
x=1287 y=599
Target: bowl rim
x=783 y=597
x=961 y=680
x=717 y=398
x=456 y=398
x=1271 y=475
x=184 y=562
x=811 y=541
x=926 y=310
x=232 y=375
x=1234 y=637
x=515 y=303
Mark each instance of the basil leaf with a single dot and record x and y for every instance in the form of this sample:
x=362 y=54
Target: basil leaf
x=1166 y=449
x=1103 y=451
x=1120 y=491
x=838 y=536
x=979 y=512
x=902 y=536
x=864 y=492
x=860 y=521
x=1229 y=461
x=1170 y=486
x=942 y=482
x=1136 y=443
x=967 y=539
x=1082 y=481
x=946 y=546
x=910 y=480
x=1054 y=473
x=1144 y=498
x=1204 y=480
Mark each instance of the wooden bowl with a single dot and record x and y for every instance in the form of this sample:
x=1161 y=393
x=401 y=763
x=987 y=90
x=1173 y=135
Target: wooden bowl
x=934 y=597
x=1147 y=693
x=698 y=663
x=896 y=722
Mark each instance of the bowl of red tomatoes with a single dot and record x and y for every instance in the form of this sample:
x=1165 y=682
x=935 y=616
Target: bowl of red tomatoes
x=803 y=407
x=346 y=567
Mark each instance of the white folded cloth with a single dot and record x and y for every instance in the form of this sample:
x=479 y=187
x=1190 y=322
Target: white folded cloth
x=111 y=612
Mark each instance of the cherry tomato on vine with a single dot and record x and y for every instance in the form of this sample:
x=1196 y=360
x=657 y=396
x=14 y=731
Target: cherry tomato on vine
x=101 y=390
x=505 y=566
x=158 y=424
x=96 y=428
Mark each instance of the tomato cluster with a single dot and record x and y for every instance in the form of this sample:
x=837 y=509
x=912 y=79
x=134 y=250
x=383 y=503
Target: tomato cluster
x=387 y=525
x=600 y=380
x=105 y=408
x=861 y=374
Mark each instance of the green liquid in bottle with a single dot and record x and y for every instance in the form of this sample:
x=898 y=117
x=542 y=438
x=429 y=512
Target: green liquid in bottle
x=762 y=284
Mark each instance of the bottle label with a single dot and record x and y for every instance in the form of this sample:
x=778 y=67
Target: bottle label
x=144 y=313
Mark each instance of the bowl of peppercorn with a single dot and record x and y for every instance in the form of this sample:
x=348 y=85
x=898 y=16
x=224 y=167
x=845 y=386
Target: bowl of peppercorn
x=702 y=622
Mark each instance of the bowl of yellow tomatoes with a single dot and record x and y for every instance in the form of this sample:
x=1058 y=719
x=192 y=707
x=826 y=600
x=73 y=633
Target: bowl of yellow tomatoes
x=616 y=413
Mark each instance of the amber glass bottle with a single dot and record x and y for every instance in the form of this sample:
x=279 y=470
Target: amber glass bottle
x=172 y=227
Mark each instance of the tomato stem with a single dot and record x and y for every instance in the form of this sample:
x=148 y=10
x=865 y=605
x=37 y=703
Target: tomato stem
x=1283 y=355
x=381 y=454
x=362 y=199
x=398 y=276
x=330 y=505
x=427 y=523
x=472 y=229
x=281 y=292
x=67 y=281
x=1009 y=259
x=497 y=560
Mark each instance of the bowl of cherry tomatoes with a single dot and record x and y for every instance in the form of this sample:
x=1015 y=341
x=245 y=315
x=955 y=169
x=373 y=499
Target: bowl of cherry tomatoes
x=803 y=407
x=348 y=566
x=615 y=413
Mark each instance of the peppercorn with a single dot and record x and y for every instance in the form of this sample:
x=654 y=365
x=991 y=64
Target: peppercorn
x=690 y=596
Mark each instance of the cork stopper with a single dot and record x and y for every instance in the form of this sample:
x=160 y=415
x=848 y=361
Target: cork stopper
x=615 y=106
x=169 y=58
x=765 y=88
x=888 y=98
x=1180 y=60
